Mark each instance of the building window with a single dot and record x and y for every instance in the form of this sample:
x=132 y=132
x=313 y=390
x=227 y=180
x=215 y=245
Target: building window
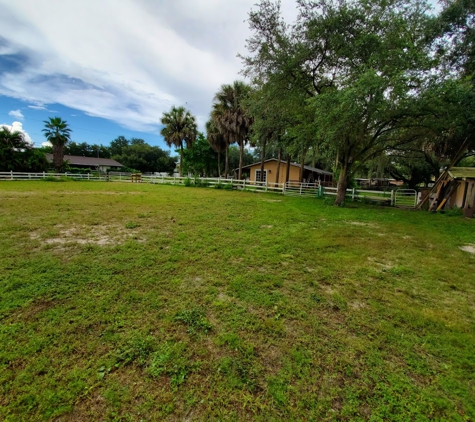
x=258 y=176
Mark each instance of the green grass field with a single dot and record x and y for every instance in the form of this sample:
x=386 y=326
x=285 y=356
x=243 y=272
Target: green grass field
x=128 y=302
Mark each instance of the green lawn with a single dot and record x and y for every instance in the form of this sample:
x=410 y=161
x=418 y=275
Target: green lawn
x=128 y=302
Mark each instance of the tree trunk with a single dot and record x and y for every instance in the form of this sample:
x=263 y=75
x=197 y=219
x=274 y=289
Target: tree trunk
x=287 y=174
x=342 y=183
x=181 y=160
x=241 y=156
x=302 y=164
x=279 y=154
x=58 y=157
x=263 y=158
x=226 y=163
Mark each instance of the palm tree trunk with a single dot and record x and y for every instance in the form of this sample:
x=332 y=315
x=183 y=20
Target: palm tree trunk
x=263 y=158
x=181 y=160
x=226 y=164
x=58 y=157
x=241 y=156
x=279 y=154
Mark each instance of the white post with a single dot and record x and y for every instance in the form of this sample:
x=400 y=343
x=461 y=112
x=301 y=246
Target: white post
x=11 y=174
x=393 y=198
x=353 y=194
x=300 y=188
x=87 y=176
x=244 y=184
x=44 y=175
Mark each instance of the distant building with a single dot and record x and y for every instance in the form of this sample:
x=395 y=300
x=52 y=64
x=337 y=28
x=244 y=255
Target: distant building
x=310 y=174
x=92 y=163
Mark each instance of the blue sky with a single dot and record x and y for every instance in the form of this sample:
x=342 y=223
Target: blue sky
x=112 y=67
x=92 y=130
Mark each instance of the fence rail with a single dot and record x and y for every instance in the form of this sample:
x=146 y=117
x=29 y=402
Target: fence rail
x=399 y=197
x=11 y=175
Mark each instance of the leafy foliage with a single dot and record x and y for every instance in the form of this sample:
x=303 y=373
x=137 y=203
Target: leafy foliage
x=138 y=155
x=18 y=155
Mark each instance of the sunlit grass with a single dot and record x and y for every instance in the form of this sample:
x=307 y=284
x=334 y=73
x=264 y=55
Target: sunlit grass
x=146 y=302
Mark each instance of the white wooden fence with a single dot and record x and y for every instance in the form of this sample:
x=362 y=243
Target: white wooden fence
x=11 y=175
x=399 y=197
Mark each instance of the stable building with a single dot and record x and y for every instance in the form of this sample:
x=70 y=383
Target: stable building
x=91 y=163
x=252 y=172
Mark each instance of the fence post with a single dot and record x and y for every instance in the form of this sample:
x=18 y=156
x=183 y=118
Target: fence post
x=244 y=184
x=44 y=175
x=300 y=188
x=353 y=194
x=393 y=198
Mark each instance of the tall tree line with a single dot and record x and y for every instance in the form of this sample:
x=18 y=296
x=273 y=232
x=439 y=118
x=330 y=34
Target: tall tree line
x=352 y=83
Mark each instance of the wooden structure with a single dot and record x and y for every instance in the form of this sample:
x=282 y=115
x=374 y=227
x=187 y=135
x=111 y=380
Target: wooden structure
x=136 y=177
x=455 y=189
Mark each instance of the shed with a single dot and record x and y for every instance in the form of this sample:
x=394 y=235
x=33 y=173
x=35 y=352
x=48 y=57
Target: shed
x=93 y=163
x=310 y=175
x=457 y=190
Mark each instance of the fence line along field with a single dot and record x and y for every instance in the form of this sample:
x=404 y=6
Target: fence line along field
x=157 y=302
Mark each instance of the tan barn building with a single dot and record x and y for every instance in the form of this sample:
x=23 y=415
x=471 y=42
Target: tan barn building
x=310 y=174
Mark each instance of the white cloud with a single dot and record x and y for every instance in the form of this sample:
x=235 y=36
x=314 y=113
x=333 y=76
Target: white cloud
x=18 y=127
x=17 y=114
x=37 y=107
x=123 y=60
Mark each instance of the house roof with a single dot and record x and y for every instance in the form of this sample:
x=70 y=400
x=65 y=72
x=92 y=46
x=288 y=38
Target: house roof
x=462 y=172
x=87 y=161
x=310 y=168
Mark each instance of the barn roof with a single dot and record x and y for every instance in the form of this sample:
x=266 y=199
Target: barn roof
x=462 y=172
x=87 y=161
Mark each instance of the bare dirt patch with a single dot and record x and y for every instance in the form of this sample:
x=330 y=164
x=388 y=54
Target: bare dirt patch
x=101 y=235
x=468 y=248
x=361 y=224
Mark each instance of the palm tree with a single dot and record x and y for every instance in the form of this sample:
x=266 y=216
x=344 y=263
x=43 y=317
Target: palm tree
x=180 y=126
x=229 y=115
x=218 y=143
x=57 y=133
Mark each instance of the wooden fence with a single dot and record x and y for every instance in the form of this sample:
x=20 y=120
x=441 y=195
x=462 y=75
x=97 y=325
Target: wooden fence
x=399 y=197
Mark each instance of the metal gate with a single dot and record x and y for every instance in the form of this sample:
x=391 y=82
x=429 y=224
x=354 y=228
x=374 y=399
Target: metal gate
x=405 y=198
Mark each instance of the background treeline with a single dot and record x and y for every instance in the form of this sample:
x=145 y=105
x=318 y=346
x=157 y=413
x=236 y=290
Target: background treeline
x=135 y=154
